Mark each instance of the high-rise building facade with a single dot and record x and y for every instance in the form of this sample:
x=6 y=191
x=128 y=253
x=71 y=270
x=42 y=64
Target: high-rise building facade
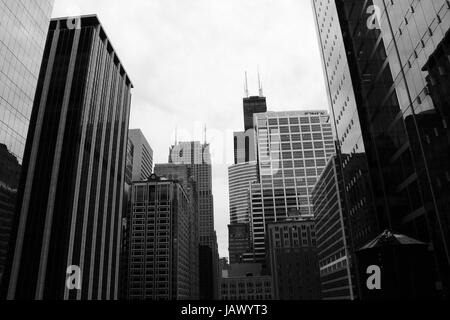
x=178 y=172
x=252 y=106
x=126 y=214
x=71 y=197
x=23 y=30
x=239 y=241
x=386 y=68
x=240 y=177
x=245 y=147
x=245 y=281
x=183 y=174
x=252 y=288
x=335 y=255
x=198 y=158
x=143 y=156
x=161 y=261
x=417 y=42
x=293 y=148
x=293 y=259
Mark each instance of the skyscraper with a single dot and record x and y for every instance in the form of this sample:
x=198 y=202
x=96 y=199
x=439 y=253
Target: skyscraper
x=239 y=241
x=252 y=106
x=197 y=156
x=183 y=174
x=143 y=156
x=162 y=263
x=293 y=148
x=386 y=69
x=245 y=287
x=126 y=214
x=245 y=147
x=71 y=197
x=21 y=50
x=293 y=259
x=332 y=235
x=240 y=177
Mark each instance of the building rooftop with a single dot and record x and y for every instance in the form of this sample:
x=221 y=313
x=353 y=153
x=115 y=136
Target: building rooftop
x=90 y=20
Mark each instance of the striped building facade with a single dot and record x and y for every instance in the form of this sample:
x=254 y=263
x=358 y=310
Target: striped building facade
x=240 y=177
x=72 y=191
x=332 y=232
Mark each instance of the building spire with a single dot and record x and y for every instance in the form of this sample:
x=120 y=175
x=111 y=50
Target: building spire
x=176 y=135
x=260 y=87
x=246 y=85
x=206 y=138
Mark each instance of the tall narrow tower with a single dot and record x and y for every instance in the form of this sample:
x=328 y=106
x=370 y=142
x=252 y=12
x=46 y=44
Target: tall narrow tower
x=198 y=157
x=71 y=199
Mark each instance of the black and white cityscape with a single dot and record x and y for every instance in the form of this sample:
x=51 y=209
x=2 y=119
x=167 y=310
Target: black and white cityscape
x=103 y=198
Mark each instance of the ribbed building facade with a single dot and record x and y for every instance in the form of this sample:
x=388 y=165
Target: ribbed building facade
x=143 y=156
x=71 y=196
x=293 y=148
x=23 y=30
x=240 y=177
x=386 y=67
x=332 y=235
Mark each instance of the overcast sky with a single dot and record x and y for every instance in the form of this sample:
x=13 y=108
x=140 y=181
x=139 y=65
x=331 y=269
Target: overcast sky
x=187 y=61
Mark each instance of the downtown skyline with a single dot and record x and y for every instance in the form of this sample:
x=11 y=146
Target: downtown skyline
x=192 y=76
x=197 y=151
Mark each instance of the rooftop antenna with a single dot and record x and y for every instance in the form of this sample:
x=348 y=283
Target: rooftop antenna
x=176 y=135
x=246 y=85
x=205 y=134
x=261 y=93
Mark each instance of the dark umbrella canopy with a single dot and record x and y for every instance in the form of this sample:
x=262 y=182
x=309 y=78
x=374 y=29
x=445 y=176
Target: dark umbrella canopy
x=389 y=238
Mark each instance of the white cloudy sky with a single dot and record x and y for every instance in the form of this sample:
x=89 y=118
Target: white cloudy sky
x=187 y=61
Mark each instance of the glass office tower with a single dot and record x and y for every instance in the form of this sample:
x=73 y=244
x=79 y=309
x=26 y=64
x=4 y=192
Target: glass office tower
x=70 y=199
x=386 y=66
x=23 y=30
x=293 y=149
x=416 y=36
